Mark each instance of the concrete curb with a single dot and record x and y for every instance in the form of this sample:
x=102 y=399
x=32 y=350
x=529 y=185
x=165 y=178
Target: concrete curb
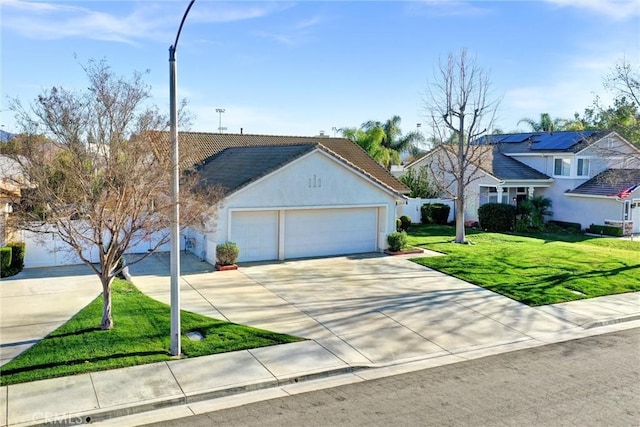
x=612 y=321
x=374 y=371
x=96 y=415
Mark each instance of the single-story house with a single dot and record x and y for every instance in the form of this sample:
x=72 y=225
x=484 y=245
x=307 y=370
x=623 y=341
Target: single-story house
x=591 y=177
x=292 y=197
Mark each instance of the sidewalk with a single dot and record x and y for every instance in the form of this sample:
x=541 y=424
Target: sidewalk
x=187 y=386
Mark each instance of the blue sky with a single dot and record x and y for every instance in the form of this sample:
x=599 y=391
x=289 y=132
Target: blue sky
x=295 y=68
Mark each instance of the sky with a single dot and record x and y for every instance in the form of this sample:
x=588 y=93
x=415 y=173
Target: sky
x=298 y=68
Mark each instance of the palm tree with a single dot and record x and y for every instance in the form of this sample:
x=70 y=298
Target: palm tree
x=371 y=141
x=538 y=207
x=393 y=138
x=546 y=124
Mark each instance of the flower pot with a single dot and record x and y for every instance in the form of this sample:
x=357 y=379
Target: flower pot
x=221 y=267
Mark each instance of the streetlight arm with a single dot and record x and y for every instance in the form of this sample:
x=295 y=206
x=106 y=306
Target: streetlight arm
x=174 y=46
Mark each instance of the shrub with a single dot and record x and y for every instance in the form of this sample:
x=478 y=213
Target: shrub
x=536 y=208
x=425 y=213
x=16 y=263
x=569 y=226
x=434 y=213
x=497 y=217
x=607 y=230
x=227 y=253
x=440 y=213
x=5 y=259
x=397 y=241
x=398 y=224
x=405 y=222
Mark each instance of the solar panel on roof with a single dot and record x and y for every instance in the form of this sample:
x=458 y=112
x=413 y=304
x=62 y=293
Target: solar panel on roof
x=560 y=140
x=518 y=137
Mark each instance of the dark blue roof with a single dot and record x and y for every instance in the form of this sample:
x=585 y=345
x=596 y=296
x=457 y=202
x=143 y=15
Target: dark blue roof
x=234 y=168
x=609 y=183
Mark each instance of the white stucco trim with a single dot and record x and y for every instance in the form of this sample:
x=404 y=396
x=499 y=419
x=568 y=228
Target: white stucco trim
x=343 y=164
x=613 y=134
x=591 y=196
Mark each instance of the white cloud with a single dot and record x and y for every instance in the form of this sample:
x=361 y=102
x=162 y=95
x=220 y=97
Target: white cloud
x=147 y=21
x=616 y=9
x=448 y=7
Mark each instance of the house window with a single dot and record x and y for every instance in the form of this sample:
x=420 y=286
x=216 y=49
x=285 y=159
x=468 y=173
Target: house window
x=561 y=167
x=583 y=167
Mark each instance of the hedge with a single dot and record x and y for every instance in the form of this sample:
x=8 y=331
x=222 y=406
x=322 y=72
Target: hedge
x=571 y=226
x=434 y=213
x=5 y=259
x=497 y=217
x=607 y=230
x=16 y=259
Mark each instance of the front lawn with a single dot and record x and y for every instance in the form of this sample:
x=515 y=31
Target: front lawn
x=140 y=336
x=536 y=269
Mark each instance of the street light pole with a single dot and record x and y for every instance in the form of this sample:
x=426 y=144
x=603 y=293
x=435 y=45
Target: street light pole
x=175 y=213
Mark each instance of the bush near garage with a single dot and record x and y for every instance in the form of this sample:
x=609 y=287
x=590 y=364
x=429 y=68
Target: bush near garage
x=405 y=222
x=497 y=217
x=227 y=253
x=397 y=241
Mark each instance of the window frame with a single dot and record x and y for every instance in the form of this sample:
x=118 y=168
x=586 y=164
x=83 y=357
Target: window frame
x=568 y=167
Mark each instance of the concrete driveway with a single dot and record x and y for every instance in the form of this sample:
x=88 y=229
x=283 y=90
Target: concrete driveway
x=36 y=301
x=367 y=309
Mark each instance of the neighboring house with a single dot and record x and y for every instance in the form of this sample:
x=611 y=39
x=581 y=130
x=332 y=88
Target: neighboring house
x=11 y=184
x=591 y=177
x=293 y=197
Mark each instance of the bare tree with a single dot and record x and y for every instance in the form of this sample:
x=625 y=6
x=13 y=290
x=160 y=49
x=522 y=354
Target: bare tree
x=96 y=182
x=459 y=111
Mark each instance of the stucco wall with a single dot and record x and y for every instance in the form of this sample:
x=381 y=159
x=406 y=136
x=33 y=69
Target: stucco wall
x=315 y=180
x=589 y=210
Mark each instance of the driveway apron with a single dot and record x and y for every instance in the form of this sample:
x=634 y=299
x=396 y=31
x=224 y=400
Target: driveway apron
x=36 y=301
x=366 y=309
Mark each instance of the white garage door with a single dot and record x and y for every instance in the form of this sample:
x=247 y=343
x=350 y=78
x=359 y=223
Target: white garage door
x=256 y=234
x=320 y=232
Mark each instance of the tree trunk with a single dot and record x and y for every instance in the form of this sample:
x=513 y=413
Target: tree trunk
x=107 y=318
x=460 y=232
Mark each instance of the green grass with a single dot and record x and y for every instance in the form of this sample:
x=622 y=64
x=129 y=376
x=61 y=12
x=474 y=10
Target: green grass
x=140 y=336
x=534 y=269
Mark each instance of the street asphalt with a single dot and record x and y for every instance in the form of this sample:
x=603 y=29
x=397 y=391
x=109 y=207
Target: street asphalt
x=370 y=315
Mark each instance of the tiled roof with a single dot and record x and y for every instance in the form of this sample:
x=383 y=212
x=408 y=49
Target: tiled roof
x=505 y=168
x=234 y=168
x=196 y=147
x=609 y=183
x=492 y=161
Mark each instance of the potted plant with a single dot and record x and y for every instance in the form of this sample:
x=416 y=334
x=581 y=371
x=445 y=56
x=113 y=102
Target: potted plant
x=226 y=256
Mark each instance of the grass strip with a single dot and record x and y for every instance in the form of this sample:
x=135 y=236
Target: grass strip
x=140 y=336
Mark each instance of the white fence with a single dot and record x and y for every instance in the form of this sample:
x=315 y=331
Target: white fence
x=412 y=208
x=48 y=250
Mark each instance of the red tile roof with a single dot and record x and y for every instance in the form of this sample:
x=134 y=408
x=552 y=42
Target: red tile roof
x=196 y=147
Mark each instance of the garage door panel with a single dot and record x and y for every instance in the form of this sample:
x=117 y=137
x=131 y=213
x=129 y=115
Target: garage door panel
x=256 y=234
x=330 y=232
